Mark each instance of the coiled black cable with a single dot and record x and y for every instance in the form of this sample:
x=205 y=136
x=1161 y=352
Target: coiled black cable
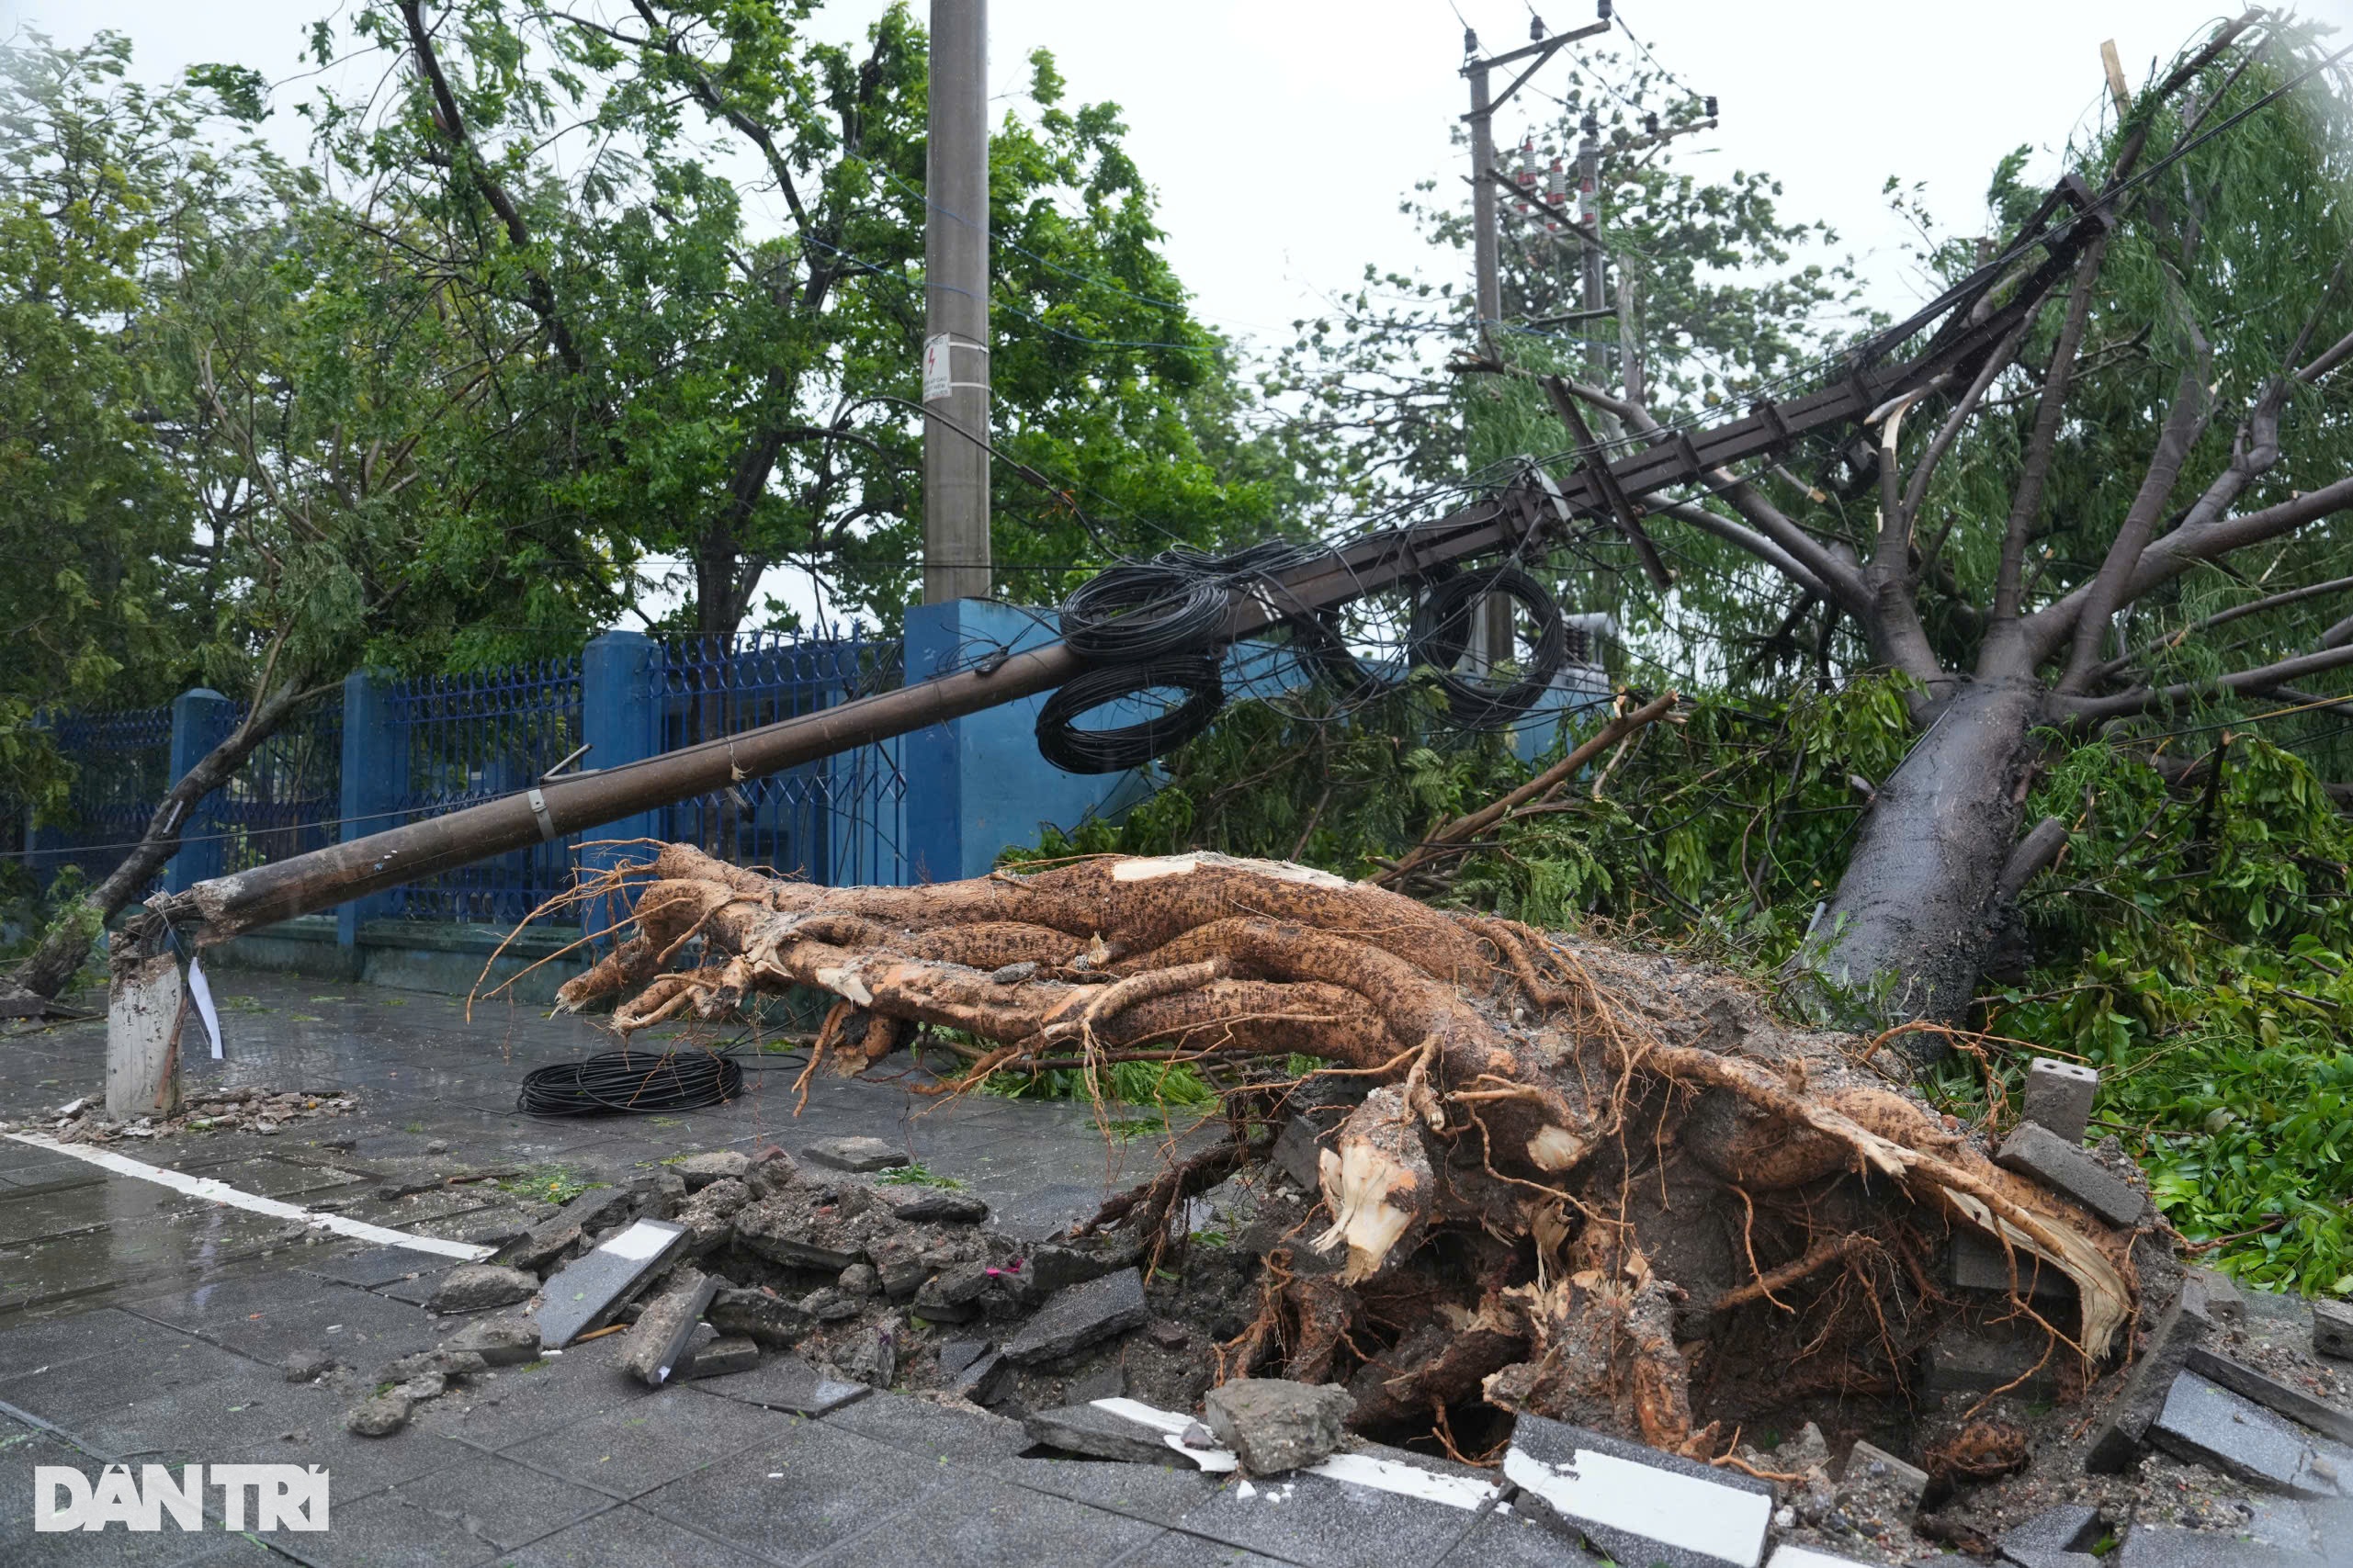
x=627 y=1083
x=1075 y=750
x=1441 y=633
x=1175 y=603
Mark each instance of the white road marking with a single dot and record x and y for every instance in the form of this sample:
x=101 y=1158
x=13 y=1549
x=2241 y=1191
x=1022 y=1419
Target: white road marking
x=215 y=1192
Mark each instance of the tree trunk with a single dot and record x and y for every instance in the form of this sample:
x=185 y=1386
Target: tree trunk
x=1907 y=930
x=66 y=944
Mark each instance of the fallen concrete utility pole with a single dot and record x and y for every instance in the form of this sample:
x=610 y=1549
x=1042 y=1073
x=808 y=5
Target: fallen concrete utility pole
x=1530 y=509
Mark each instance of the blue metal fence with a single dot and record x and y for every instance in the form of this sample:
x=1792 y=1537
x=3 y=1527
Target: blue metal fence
x=123 y=766
x=286 y=799
x=840 y=820
x=467 y=738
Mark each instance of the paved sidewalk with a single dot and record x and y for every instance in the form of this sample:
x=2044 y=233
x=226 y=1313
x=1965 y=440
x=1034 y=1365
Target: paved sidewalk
x=141 y=1325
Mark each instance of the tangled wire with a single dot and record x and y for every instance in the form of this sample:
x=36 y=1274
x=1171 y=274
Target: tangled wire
x=1154 y=627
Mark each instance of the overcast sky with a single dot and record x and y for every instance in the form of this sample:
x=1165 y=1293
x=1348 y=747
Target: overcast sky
x=1282 y=133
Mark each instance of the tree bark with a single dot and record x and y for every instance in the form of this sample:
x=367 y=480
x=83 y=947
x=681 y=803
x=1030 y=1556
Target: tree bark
x=67 y=945
x=1906 y=931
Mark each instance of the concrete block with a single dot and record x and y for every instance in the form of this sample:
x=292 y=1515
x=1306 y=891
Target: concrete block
x=1868 y=1464
x=1977 y=1263
x=589 y=1285
x=727 y=1353
x=2059 y=1096
x=855 y=1154
x=2224 y=1298
x=2056 y=1537
x=656 y=1345
x=2333 y=1329
x=1105 y=1434
x=1083 y=1315
x=1636 y=1504
x=2293 y=1403
x=2116 y=1446
x=2206 y=1423
x=2038 y=1152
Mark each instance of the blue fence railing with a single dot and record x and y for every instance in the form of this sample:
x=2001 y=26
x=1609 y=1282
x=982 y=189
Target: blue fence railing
x=287 y=799
x=840 y=820
x=466 y=738
x=122 y=767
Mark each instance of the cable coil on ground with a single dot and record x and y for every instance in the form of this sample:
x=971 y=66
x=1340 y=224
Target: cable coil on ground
x=624 y=1083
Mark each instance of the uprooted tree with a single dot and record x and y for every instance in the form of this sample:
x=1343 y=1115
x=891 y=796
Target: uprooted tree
x=1574 y=1159
x=2034 y=554
x=2048 y=546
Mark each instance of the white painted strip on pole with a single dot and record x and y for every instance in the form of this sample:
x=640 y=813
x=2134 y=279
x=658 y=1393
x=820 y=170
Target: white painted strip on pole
x=217 y=1191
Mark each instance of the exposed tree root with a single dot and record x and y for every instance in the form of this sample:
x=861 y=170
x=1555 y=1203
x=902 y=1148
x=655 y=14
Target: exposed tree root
x=1571 y=1159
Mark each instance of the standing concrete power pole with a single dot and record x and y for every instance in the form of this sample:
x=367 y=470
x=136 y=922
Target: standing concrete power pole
x=956 y=306
x=1496 y=640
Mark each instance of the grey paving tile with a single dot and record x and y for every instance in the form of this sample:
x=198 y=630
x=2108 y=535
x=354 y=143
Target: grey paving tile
x=793 y=1495
x=931 y=1431
x=104 y=1331
x=649 y=1442
x=980 y=1524
x=630 y=1538
x=783 y=1382
x=359 y=1328
x=1152 y=1492
x=1323 y=1523
x=91 y=1388
x=1514 y=1540
x=374 y=1266
x=513 y=1405
x=255 y=1298
x=1174 y=1549
x=476 y=1512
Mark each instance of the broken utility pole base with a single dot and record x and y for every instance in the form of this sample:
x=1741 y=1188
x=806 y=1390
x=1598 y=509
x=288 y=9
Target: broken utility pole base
x=1539 y=1124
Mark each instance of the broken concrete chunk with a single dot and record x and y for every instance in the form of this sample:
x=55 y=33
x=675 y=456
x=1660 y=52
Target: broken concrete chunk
x=2056 y=1537
x=2333 y=1329
x=934 y=1205
x=1634 y=1503
x=589 y=1288
x=760 y=1315
x=953 y=1296
x=477 y=1287
x=709 y=1214
x=1872 y=1466
x=443 y=1363
x=655 y=1345
x=380 y=1416
x=2038 y=1152
x=1275 y=1425
x=770 y=1172
x=699 y=1171
x=2206 y=1423
x=874 y=1358
x=986 y=1379
x=1014 y=974
x=666 y=1194
x=829 y=1304
x=2059 y=1096
x=859 y=1280
x=2117 y=1444
x=545 y=1243
x=729 y=1353
x=499 y=1341
x=1079 y=1317
x=1085 y=1429
x=855 y=1154
x=800 y=1230
x=957 y=1354
x=309 y=1366
x=2223 y=1301
x=1807 y=1557
x=2327 y=1420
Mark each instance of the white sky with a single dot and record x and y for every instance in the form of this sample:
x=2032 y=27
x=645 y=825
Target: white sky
x=1280 y=133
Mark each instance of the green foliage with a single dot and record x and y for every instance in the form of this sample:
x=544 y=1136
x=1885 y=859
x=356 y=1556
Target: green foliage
x=918 y=1175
